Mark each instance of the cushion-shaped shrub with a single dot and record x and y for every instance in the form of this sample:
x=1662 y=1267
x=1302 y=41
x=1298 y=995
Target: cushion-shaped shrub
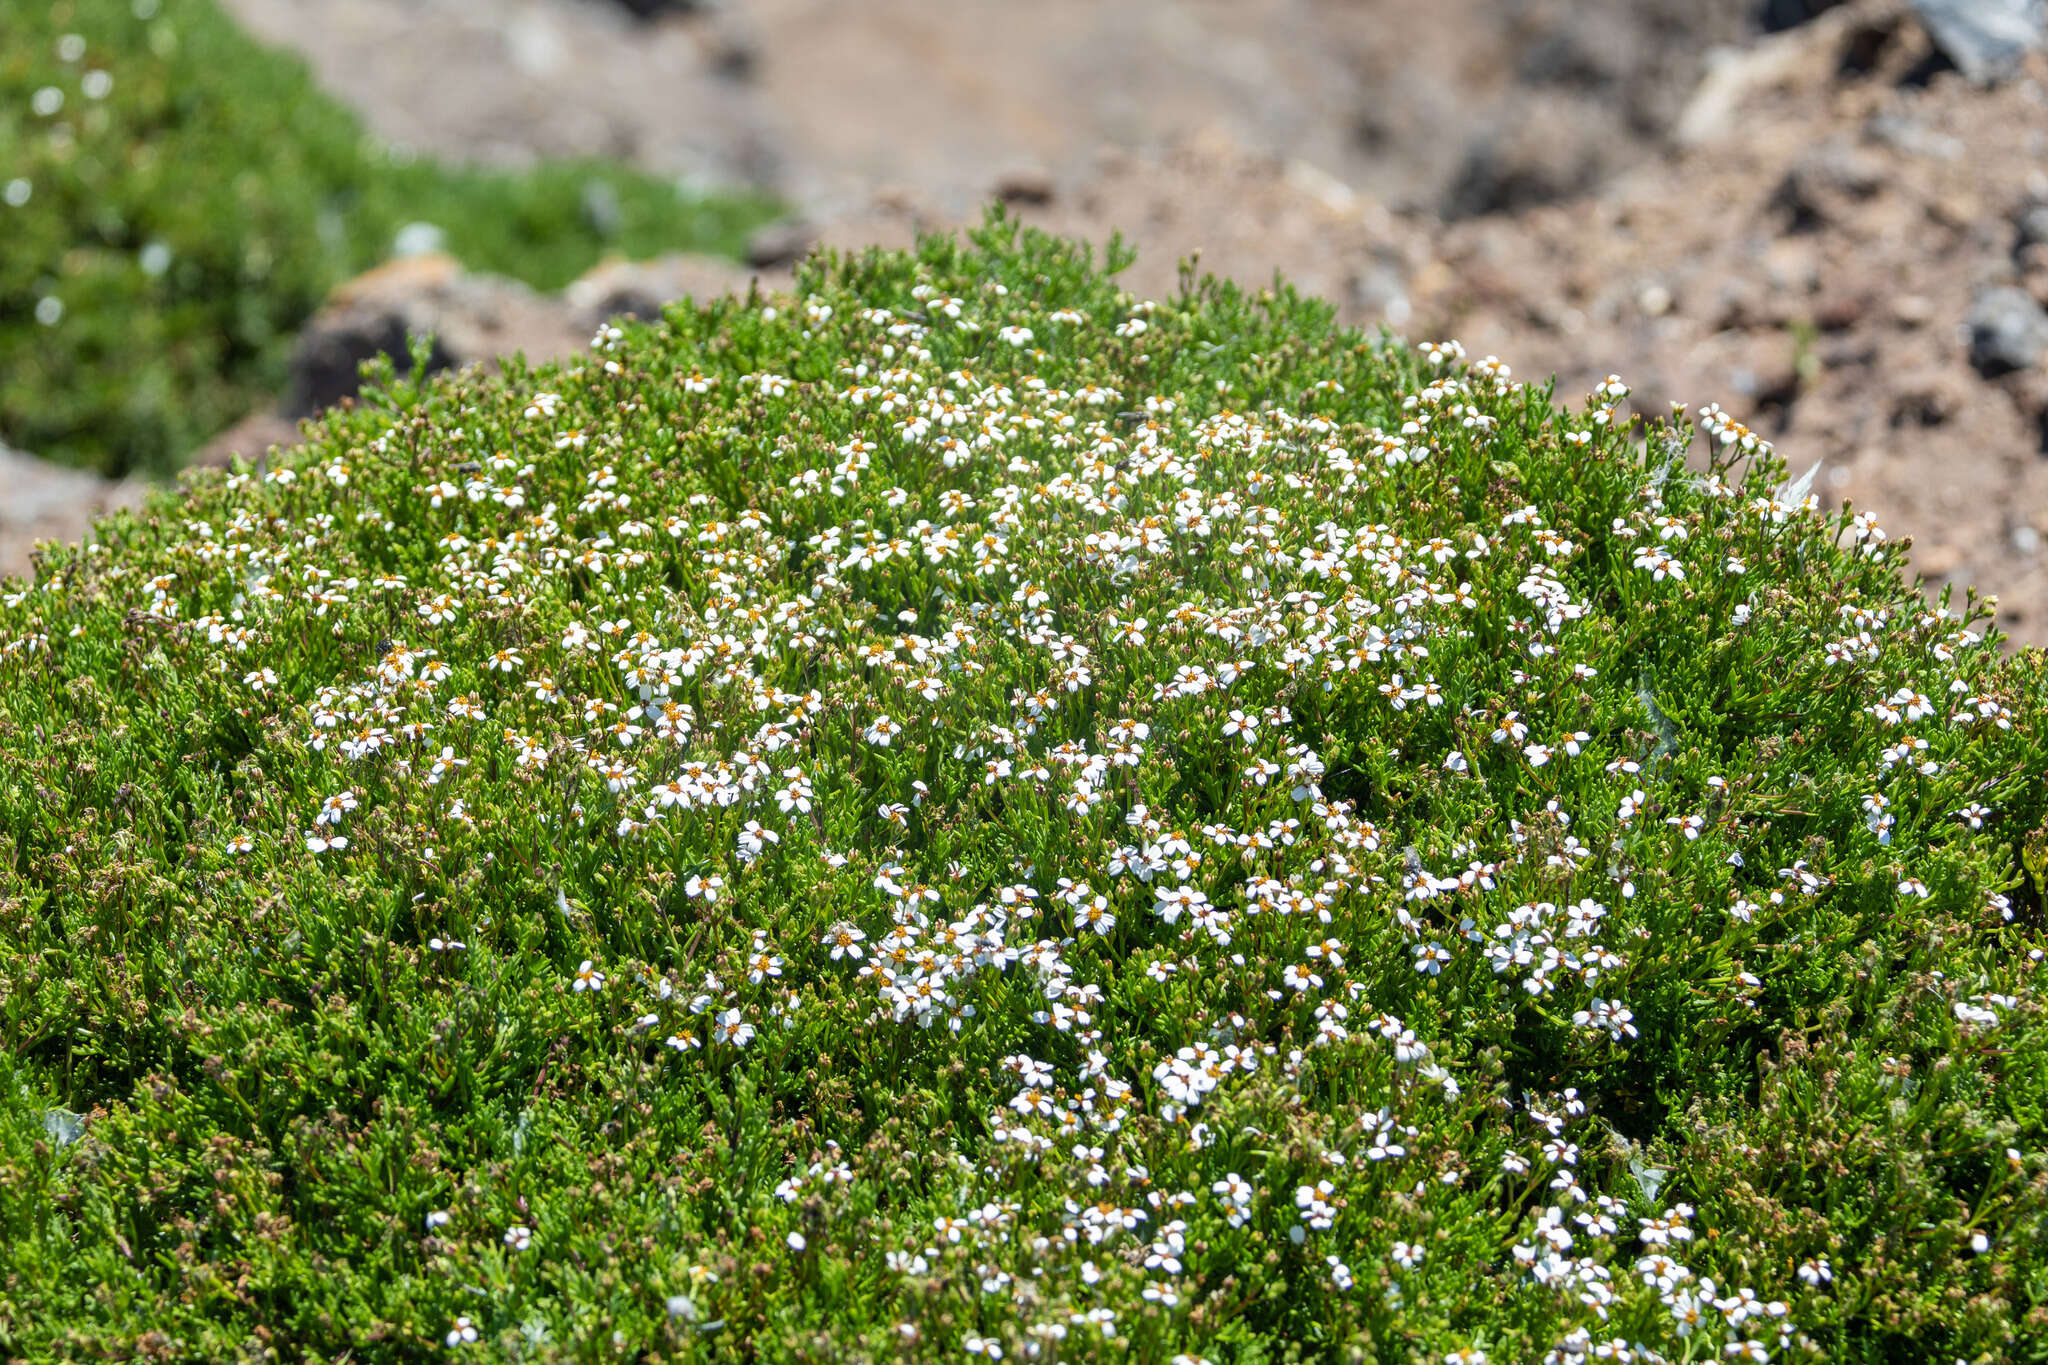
x=963 y=813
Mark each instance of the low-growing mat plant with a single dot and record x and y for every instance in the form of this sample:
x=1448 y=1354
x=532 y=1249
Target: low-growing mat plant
x=175 y=199
x=960 y=813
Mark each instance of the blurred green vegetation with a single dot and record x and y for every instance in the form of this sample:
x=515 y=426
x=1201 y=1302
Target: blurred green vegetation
x=175 y=199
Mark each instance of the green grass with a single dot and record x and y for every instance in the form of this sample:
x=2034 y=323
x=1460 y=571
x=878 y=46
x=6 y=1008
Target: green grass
x=1225 y=791
x=180 y=226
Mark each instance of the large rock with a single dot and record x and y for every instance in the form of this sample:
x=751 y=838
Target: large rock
x=1986 y=39
x=472 y=318
x=2008 y=331
x=2033 y=225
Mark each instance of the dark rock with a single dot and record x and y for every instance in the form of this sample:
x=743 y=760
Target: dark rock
x=1031 y=185
x=2008 y=331
x=331 y=351
x=2033 y=225
x=1775 y=16
x=652 y=9
x=780 y=243
x=1986 y=39
x=1866 y=45
x=733 y=51
x=472 y=318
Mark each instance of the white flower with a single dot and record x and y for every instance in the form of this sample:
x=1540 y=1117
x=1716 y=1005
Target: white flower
x=1660 y=564
x=731 y=1027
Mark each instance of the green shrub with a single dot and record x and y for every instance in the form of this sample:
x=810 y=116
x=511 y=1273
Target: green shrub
x=190 y=197
x=968 y=813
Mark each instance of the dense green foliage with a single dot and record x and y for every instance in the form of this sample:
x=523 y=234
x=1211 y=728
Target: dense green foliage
x=961 y=813
x=176 y=199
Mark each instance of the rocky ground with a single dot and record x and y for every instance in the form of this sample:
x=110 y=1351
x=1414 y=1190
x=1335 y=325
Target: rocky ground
x=1852 y=256
x=1453 y=106
x=1828 y=229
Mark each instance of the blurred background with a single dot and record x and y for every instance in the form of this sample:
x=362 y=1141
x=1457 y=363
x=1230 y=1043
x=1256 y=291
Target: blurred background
x=1831 y=218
